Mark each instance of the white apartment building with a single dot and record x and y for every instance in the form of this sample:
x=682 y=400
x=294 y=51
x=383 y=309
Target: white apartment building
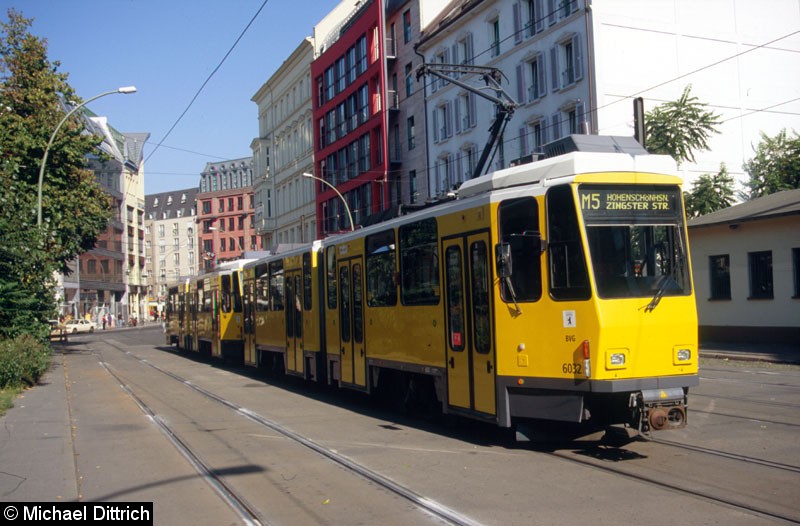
x=283 y=152
x=576 y=65
x=170 y=243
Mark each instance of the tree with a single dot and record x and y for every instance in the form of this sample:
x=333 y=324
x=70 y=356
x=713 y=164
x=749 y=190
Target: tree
x=680 y=127
x=710 y=193
x=776 y=166
x=33 y=95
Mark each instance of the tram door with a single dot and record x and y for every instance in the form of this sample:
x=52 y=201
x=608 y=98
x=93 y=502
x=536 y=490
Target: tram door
x=249 y=321
x=293 y=284
x=470 y=343
x=351 y=322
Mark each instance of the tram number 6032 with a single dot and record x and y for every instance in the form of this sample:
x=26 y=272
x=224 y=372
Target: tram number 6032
x=572 y=368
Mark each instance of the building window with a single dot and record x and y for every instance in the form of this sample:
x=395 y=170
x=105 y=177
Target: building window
x=407 y=26
x=796 y=271
x=760 y=269
x=442 y=122
x=537 y=131
x=494 y=37
x=412 y=186
x=464 y=51
x=535 y=79
x=566 y=66
x=412 y=134
x=575 y=118
x=465 y=112
x=409 y=80
x=720 y=276
x=361 y=54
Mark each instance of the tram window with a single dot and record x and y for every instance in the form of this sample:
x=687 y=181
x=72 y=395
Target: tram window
x=568 y=276
x=236 y=285
x=225 y=286
x=330 y=273
x=276 y=285
x=344 y=308
x=307 y=303
x=262 y=288
x=381 y=269
x=519 y=227
x=358 y=305
x=480 y=297
x=455 y=297
x=419 y=263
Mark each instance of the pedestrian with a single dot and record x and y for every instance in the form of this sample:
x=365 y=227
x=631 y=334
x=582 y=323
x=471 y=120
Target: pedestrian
x=104 y=322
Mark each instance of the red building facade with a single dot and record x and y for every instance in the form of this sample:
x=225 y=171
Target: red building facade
x=349 y=108
x=225 y=212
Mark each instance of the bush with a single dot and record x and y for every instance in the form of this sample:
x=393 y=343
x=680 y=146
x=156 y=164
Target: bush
x=23 y=360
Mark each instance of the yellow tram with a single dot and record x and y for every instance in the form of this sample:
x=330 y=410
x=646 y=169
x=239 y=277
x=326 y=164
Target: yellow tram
x=558 y=290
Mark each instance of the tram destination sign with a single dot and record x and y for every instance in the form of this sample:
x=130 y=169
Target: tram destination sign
x=613 y=202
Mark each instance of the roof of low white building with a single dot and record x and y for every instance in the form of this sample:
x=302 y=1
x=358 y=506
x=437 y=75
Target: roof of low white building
x=767 y=207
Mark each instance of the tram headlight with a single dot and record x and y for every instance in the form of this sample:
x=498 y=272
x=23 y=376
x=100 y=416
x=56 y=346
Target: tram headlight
x=617 y=358
x=684 y=355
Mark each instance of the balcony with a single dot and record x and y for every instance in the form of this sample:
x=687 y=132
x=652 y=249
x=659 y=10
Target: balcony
x=391 y=48
x=394 y=100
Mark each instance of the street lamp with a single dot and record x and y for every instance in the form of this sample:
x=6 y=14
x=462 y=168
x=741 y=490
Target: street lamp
x=126 y=90
x=346 y=206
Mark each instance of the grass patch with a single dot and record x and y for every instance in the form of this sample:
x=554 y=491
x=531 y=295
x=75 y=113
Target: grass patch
x=7 y=397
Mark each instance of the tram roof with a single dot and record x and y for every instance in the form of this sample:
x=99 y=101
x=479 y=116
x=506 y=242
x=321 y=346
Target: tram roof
x=566 y=166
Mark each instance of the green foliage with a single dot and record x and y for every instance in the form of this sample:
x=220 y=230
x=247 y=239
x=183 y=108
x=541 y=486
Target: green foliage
x=710 y=193
x=776 y=166
x=74 y=207
x=679 y=128
x=22 y=360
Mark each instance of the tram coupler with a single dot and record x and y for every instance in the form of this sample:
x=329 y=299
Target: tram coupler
x=658 y=409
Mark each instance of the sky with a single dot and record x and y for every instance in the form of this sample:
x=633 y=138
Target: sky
x=167 y=49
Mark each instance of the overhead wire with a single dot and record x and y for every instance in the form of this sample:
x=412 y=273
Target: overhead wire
x=208 y=79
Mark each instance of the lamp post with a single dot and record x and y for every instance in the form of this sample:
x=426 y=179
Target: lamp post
x=346 y=206
x=126 y=89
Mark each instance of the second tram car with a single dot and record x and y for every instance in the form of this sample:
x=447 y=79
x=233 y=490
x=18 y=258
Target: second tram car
x=553 y=291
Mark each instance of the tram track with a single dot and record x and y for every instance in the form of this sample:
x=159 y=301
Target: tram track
x=684 y=478
x=602 y=460
x=725 y=454
x=238 y=503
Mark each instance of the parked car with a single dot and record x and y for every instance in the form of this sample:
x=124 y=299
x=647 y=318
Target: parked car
x=74 y=326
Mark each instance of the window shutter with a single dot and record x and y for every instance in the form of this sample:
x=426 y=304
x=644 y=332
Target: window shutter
x=555 y=82
x=539 y=14
x=436 y=125
x=517 y=23
x=523 y=141
x=542 y=76
x=521 y=98
x=577 y=53
x=555 y=126
x=448 y=112
x=580 y=115
x=552 y=12
x=473 y=111
x=458 y=114
x=455 y=59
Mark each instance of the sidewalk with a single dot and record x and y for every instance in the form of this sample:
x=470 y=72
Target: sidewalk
x=77 y=436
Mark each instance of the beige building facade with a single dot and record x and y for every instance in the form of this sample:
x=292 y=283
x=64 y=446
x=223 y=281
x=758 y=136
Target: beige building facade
x=746 y=265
